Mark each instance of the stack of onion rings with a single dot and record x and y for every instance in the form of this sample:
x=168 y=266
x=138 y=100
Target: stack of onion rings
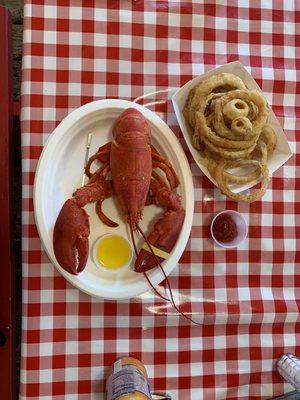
x=230 y=125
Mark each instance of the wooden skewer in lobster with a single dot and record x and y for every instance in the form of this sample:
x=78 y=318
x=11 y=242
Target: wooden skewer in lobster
x=131 y=160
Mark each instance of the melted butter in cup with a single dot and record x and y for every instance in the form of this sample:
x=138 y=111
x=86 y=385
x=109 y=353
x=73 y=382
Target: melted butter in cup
x=112 y=252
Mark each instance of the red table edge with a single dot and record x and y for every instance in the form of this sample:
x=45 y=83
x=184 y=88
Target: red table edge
x=7 y=281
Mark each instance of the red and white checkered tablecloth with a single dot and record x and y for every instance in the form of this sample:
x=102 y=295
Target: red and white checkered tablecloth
x=248 y=299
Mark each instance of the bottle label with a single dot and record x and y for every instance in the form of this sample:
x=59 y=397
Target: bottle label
x=126 y=381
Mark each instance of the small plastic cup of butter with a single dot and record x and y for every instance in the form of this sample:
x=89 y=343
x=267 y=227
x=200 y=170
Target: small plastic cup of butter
x=112 y=252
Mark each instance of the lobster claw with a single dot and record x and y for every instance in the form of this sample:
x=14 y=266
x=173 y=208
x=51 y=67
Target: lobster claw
x=70 y=237
x=162 y=238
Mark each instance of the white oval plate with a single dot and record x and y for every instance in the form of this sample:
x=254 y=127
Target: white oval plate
x=59 y=173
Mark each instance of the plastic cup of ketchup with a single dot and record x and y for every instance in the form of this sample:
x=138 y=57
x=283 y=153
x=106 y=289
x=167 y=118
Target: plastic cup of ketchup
x=229 y=229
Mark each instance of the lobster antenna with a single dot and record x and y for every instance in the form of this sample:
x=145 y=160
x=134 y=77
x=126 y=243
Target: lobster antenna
x=132 y=238
x=154 y=288
x=167 y=280
x=146 y=276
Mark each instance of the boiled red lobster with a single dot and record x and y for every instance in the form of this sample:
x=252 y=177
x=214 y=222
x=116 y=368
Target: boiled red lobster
x=131 y=161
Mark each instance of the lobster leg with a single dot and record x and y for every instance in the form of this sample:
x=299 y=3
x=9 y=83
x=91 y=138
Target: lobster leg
x=102 y=155
x=94 y=191
x=162 y=161
x=165 y=231
x=158 y=178
x=103 y=217
x=105 y=148
x=101 y=173
x=170 y=177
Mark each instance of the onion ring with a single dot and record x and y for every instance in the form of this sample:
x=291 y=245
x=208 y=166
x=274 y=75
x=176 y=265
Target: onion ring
x=188 y=104
x=211 y=164
x=268 y=136
x=228 y=154
x=215 y=84
x=241 y=126
x=260 y=153
x=253 y=111
x=254 y=175
x=203 y=128
x=235 y=108
x=196 y=141
x=223 y=186
x=210 y=103
x=248 y=96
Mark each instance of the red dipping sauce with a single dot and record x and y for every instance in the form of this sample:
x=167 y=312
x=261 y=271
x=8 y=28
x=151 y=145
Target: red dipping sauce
x=224 y=228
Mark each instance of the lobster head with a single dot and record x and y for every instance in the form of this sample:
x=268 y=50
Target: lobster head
x=131 y=127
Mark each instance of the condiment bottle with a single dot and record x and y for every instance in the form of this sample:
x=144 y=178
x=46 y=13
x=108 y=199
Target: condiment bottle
x=289 y=368
x=127 y=380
